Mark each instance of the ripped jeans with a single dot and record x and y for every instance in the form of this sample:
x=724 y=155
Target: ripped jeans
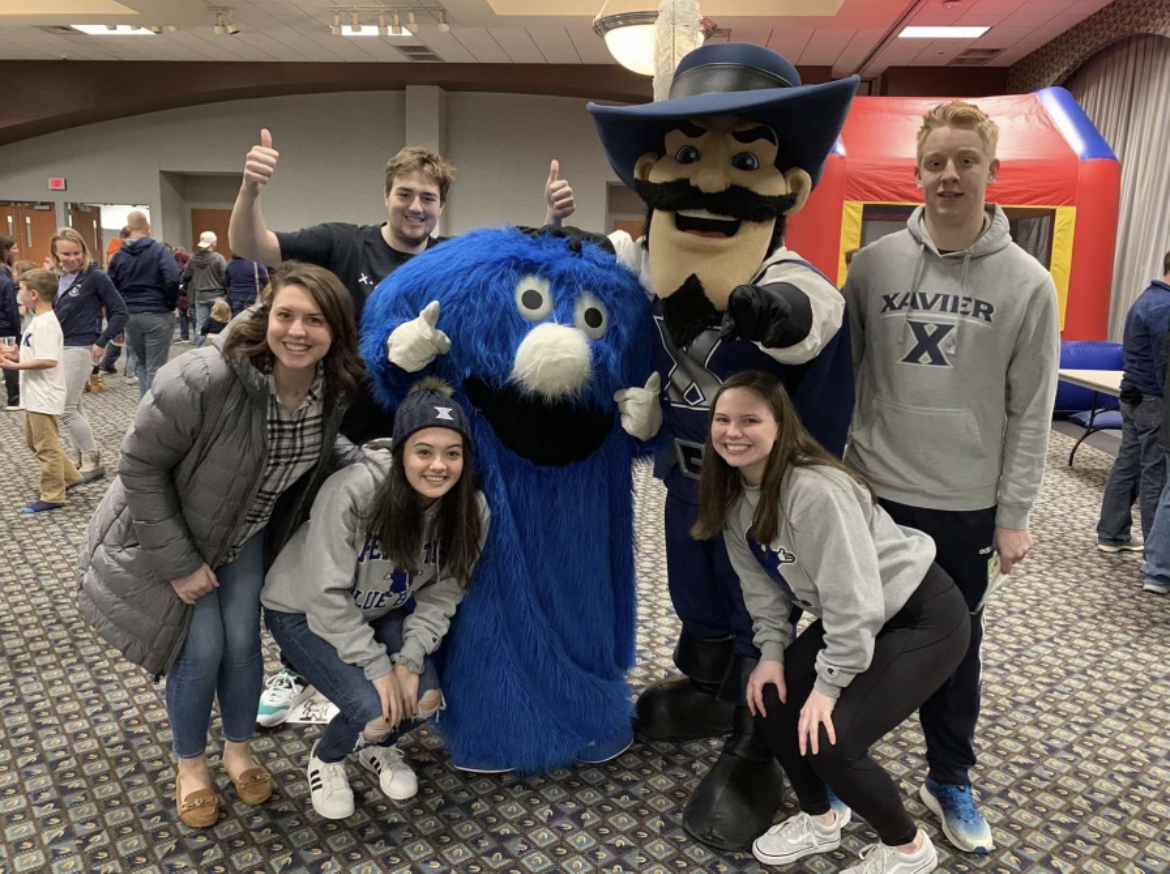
x=342 y=683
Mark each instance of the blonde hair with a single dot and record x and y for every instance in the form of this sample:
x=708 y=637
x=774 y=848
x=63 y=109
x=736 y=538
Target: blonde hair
x=221 y=311
x=70 y=236
x=962 y=115
x=424 y=161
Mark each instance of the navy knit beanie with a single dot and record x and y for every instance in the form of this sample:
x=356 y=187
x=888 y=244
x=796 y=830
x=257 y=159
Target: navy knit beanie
x=429 y=405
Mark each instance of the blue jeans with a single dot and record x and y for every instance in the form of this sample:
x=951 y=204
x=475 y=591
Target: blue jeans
x=148 y=336
x=202 y=314
x=342 y=683
x=1156 y=567
x=1139 y=473
x=221 y=656
x=184 y=323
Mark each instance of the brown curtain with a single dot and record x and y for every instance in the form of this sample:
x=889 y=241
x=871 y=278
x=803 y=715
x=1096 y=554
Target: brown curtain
x=1125 y=90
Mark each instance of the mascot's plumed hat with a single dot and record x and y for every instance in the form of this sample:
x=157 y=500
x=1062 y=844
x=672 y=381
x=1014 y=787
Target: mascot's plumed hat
x=733 y=79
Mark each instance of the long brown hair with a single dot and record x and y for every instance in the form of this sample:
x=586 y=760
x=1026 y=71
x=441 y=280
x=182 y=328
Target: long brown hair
x=342 y=364
x=721 y=485
x=396 y=516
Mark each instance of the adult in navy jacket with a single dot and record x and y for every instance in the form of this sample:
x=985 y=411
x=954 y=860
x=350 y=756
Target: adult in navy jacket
x=84 y=292
x=244 y=280
x=146 y=275
x=9 y=315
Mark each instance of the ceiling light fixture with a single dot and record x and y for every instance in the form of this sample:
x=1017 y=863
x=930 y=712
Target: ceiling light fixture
x=942 y=32
x=355 y=23
x=111 y=30
x=219 y=28
x=383 y=30
x=335 y=28
x=411 y=23
x=629 y=36
x=444 y=25
x=396 y=28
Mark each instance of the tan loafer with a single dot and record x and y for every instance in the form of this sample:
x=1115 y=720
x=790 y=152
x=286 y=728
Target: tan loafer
x=254 y=785
x=200 y=809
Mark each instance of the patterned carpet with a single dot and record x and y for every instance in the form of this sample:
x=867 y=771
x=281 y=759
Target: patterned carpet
x=1075 y=738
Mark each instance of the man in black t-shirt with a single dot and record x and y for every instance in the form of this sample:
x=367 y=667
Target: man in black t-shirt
x=417 y=184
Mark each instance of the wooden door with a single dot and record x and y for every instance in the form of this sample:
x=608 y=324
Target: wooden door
x=211 y=220
x=33 y=226
x=86 y=219
x=633 y=228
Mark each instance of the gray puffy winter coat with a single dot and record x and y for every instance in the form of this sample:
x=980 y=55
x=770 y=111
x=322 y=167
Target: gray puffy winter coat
x=190 y=468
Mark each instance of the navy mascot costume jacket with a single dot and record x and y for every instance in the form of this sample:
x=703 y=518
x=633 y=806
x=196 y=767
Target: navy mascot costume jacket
x=537 y=332
x=721 y=163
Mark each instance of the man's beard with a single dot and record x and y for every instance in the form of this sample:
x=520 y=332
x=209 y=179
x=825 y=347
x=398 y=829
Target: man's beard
x=687 y=313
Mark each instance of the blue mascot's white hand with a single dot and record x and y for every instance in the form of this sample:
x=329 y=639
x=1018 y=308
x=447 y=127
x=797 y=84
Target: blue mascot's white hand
x=415 y=344
x=640 y=408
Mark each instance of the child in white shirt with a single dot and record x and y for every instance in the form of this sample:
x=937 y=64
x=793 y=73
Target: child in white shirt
x=42 y=389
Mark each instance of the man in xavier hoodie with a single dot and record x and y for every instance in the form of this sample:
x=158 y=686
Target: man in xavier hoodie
x=956 y=347
x=146 y=275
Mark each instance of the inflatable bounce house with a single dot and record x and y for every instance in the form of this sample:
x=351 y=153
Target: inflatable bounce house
x=1059 y=184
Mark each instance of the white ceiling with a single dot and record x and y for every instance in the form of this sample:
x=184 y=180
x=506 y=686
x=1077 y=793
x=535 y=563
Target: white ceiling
x=298 y=30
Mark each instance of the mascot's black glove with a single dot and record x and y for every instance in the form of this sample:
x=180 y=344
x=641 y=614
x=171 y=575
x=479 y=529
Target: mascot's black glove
x=576 y=237
x=775 y=315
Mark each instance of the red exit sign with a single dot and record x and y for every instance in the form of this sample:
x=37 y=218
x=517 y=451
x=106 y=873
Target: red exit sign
x=56 y=183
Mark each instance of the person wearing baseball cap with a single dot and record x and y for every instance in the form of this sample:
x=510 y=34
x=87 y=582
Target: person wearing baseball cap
x=203 y=280
x=409 y=522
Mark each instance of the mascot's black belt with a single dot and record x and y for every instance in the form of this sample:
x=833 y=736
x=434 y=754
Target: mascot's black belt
x=690 y=457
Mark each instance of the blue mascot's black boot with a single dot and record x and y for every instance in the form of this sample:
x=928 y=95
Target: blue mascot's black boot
x=688 y=707
x=734 y=804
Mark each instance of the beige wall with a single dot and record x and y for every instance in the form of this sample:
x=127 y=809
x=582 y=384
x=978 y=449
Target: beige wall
x=333 y=153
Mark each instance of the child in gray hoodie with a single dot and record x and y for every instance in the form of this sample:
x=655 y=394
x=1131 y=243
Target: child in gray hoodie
x=804 y=533
x=406 y=523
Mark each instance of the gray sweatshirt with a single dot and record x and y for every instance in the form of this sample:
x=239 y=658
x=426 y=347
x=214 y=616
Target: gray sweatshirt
x=335 y=573
x=956 y=359
x=838 y=556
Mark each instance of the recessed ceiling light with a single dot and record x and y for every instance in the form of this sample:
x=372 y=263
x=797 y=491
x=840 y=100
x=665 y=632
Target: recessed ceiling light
x=942 y=32
x=111 y=30
x=362 y=30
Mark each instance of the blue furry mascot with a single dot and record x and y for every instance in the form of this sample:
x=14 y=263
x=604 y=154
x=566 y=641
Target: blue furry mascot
x=721 y=163
x=547 y=342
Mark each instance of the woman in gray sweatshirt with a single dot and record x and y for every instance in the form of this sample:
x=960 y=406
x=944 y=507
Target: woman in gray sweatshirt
x=804 y=533
x=407 y=523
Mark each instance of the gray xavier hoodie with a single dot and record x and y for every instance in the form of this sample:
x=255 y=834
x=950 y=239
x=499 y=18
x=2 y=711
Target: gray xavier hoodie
x=956 y=360
x=335 y=573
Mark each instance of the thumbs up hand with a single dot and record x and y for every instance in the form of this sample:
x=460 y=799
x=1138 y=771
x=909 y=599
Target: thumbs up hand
x=415 y=344
x=260 y=163
x=640 y=409
x=558 y=194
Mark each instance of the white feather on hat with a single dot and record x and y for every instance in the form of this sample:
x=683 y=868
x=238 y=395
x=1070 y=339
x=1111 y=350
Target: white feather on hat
x=678 y=31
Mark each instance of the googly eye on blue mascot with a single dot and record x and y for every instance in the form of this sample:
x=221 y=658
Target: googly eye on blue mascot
x=546 y=339
x=721 y=163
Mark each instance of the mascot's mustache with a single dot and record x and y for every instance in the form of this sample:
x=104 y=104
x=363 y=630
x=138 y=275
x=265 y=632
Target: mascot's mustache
x=688 y=312
x=736 y=202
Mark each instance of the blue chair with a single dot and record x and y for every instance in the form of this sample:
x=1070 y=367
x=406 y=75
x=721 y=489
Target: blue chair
x=1089 y=409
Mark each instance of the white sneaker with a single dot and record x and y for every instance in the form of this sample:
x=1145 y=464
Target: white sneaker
x=798 y=836
x=329 y=788
x=880 y=859
x=396 y=777
x=284 y=692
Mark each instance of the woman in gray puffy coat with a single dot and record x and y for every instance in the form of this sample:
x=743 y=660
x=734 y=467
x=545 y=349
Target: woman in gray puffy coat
x=226 y=454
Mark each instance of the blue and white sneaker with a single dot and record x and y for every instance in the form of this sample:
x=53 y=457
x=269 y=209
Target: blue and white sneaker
x=284 y=692
x=962 y=823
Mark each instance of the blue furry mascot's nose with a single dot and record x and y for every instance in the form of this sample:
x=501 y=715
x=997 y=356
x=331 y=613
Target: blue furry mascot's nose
x=537 y=332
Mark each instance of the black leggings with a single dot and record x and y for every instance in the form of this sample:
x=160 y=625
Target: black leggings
x=913 y=655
